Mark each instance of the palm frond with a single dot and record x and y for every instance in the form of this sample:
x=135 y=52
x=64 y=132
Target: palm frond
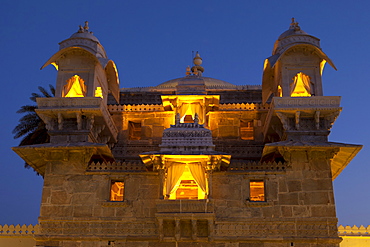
x=44 y=92
x=27 y=108
x=52 y=89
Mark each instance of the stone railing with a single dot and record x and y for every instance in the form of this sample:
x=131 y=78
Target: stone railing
x=257 y=166
x=185 y=206
x=242 y=106
x=59 y=102
x=24 y=230
x=307 y=102
x=116 y=166
x=354 y=230
x=120 y=108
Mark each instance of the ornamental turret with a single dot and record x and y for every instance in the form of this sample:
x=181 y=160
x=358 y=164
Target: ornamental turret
x=295 y=67
x=84 y=69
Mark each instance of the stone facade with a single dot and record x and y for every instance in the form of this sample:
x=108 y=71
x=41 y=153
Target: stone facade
x=194 y=161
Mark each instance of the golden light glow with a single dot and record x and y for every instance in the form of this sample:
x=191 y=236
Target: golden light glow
x=301 y=85
x=98 y=92
x=190 y=104
x=257 y=191
x=75 y=87
x=55 y=65
x=246 y=130
x=187 y=188
x=117 y=191
x=322 y=65
x=280 y=91
x=265 y=64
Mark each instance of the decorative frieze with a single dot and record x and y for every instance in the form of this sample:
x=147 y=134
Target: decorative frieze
x=185 y=206
x=282 y=228
x=116 y=166
x=133 y=108
x=243 y=107
x=307 y=102
x=98 y=228
x=18 y=230
x=257 y=166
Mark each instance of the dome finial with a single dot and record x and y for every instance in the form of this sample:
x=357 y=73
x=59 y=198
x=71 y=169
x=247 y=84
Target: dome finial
x=86 y=27
x=188 y=72
x=294 y=25
x=197 y=69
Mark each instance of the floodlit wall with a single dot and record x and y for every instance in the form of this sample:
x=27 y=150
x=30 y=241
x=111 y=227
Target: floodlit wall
x=354 y=236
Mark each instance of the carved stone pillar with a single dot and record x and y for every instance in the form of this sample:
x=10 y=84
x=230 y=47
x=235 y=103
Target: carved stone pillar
x=194 y=229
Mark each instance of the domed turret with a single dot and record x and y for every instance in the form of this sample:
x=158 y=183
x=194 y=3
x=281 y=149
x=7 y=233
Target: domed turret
x=295 y=67
x=84 y=69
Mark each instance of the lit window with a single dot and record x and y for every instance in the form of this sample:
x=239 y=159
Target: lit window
x=257 y=191
x=246 y=130
x=134 y=130
x=181 y=184
x=117 y=191
x=301 y=86
x=98 y=92
x=280 y=91
x=75 y=87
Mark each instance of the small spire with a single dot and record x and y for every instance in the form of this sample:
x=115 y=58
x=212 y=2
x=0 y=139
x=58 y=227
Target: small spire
x=294 y=25
x=188 y=72
x=86 y=27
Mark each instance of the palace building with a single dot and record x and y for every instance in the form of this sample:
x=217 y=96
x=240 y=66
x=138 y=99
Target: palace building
x=193 y=161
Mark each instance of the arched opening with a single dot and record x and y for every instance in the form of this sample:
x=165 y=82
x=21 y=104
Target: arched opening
x=98 y=92
x=301 y=86
x=75 y=87
x=186 y=181
x=187 y=112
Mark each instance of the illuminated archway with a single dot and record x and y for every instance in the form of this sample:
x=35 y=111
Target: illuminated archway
x=301 y=86
x=75 y=87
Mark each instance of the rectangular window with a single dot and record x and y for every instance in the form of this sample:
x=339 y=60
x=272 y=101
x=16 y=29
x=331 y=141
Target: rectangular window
x=246 y=130
x=134 y=130
x=256 y=191
x=117 y=191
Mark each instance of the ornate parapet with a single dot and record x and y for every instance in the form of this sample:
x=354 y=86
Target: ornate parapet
x=18 y=230
x=185 y=206
x=134 y=108
x=257 y=166
x=116 y=167
x=243 y=107
x=323 y=102
x=354 y=230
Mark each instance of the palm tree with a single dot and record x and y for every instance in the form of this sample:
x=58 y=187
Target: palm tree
x=30 y=125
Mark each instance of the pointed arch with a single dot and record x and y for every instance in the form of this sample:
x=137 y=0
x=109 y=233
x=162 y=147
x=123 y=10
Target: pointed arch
x=301 y=86
x=75 y=87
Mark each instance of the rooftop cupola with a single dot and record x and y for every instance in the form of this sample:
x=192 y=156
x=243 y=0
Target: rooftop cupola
x=84 y=69
x=85 y=39
x=295 y=67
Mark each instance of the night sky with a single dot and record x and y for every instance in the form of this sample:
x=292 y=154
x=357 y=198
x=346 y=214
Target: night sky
x=152 y=42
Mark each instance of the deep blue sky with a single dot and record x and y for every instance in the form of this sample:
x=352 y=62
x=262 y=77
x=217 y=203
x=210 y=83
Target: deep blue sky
x=152 y=42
